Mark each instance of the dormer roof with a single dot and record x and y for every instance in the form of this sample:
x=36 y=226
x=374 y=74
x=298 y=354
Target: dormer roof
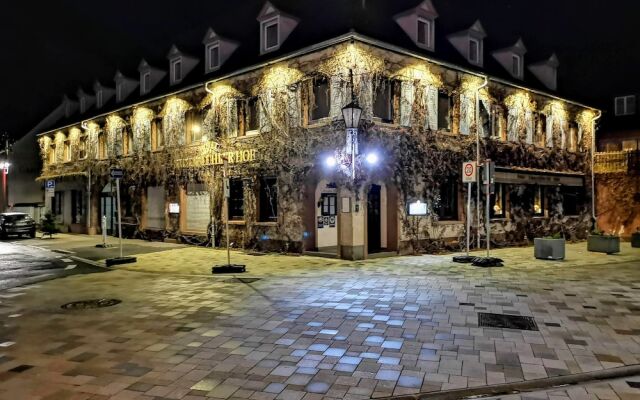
x=422 y=35
x=511 y=58
x=85 y=100
x=103 y=94
x=469 y=40
x=155 y=76
x=69 y=106
x=284 y=25
x=547 y=71
x=226 y=47
x=124 y=86
x=180 y=64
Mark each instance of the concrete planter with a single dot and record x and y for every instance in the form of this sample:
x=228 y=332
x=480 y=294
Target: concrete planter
x=603 y=244
x=635 y=239
x=548 y=249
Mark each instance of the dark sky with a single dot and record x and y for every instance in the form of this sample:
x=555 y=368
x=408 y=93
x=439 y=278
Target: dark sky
x=53 y=47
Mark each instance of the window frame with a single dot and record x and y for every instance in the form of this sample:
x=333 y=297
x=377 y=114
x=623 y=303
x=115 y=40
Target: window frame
x=389 y=88
x=263 y=197
x=210 y=47
x=103 y=151
x=428 y=42
x=146 y=82
x=502 y=193
x=99 y=98
x=66 y=154
x=57 y=206
x=475 y=61
x=176 y=66
x=326 y=206
x=626 y=108
x=538 y=192
x=235 y=203
x=83 y=152
x=516 y=65
x=449 y=117
x=156 y=132
x=275 y=21
x=51 y=156
x=314 y=106
x=576 y=200
x=455 y=215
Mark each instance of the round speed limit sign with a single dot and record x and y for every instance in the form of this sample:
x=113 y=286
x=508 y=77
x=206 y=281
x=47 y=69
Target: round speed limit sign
x=469 y=171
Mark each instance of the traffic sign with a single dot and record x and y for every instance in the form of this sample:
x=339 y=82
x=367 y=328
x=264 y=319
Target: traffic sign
x=51 y=184
x=117 y=173
x=469 y=172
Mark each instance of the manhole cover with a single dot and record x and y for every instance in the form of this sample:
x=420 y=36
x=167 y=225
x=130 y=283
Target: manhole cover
x=241 y=280
x=94 y=303
x=489 y=320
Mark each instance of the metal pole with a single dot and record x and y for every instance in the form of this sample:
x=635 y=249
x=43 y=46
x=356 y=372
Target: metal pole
x=468 y=214
x=487 y=176
x=89 y=201
x=119 y=215
x=226 y=206
x=104 y=231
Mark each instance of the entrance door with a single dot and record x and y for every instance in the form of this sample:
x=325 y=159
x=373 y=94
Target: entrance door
x=373 y=219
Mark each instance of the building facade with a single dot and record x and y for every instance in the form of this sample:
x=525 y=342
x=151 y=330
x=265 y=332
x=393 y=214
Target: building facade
x=277 y=131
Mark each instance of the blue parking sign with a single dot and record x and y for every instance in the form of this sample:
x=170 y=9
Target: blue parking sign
x=51 y=184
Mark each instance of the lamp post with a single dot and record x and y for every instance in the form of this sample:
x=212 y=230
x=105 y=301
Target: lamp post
x=4 y=170
x=351 y=114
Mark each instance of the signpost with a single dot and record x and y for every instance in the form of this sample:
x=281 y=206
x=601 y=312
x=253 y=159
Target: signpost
x=489 y=181
x=50 y=187
x=117 y=174
x=469 y=175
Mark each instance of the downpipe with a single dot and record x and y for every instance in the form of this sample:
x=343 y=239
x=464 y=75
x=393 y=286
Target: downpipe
x=593 y=174
x=484 y=84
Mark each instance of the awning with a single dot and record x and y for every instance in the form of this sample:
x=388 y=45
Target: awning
x=538 y=177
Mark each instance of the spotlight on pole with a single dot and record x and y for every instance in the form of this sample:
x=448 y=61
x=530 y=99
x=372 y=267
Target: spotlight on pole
x=372 y=158
x=330 y=161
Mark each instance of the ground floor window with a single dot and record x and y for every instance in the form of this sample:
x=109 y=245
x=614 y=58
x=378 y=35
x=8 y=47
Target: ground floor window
x=497 y=205
x=236 y=199
x=538 y=201
x=57 y=203
x=268 y=200
x=77 y=206
x=155 y=207
x=328 y=203
x=197 y=208
x=447 y=207
x=572 y=200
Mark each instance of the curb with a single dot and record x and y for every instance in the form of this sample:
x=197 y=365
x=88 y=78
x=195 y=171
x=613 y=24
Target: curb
x=527 y=386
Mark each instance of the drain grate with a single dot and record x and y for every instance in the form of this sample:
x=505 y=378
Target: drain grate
x=94 y=303
x=503 y=321
x=241 y=280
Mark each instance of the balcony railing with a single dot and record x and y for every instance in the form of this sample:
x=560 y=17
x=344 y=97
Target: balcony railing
x=617 y=162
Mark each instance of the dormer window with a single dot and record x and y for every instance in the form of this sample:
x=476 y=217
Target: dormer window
x=516 y=66
x=176 y=70
x=146 y=82
x=270 y=34
x=424 y=33
x=83 y=104
x=99 y=98
x=213 y=56
x=625 y=105
x=119 y=92
x=474 y=51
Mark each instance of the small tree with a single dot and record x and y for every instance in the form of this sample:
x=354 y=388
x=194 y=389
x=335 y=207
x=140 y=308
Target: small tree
x=49 y=224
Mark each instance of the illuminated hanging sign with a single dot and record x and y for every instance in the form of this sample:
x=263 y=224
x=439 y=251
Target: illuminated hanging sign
x=417 y=208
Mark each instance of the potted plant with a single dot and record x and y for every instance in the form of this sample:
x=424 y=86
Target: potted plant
x=549 y=247
x=635 y=238
x=48 y=225
x=600 y=242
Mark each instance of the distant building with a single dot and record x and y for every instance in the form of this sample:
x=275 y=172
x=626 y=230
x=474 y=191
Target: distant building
x=270 y=102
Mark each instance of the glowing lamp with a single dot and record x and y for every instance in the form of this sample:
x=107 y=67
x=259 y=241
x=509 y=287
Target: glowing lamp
x=330 y=161
x=372 y=158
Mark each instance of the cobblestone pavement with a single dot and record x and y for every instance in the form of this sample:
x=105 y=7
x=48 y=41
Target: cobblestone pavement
x=331 y=329
x=614 y=389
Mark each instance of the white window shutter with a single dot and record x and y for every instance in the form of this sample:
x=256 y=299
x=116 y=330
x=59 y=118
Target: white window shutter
x=432 y=107
x=365 y=97
x=294 y=107
x=563 y=134
x=530 y=126
x=265 y=102
x=407 y=95
x=466 y=114
x=549 y=133
x=579 y=139
x=338 y=96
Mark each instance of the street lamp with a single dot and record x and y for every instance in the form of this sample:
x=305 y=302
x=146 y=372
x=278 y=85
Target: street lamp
x=351 y=114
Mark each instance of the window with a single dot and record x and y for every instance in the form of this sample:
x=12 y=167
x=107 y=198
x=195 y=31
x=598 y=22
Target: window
x=67 y=151
x=485 y=119
x=625 y=105
x=194 y=126
x=497 y=203
x=236 y=199
x=146 y=81
x=102 y=146
x=76 y=207
x=572 y=137
x=424 y=32
x=444 y=111
x=498 y=125
x=176 y=67
x=383 y=104
x=328 y=203
x=515 y=66
x=99 y=98
x=248 y=119
x=157 y=136
x=57 y=203
x=542 y=130
x=82 y=147
x=127 y=141
x=572 y=200
x=119 y=93
x=52 y=154
x=474 y=51
x=321 y=98
x=538 y=201
x=447 y=208
x=630 y=144
x=213 y=56
x=83 y=104
x=268 y=200
x=270 y=32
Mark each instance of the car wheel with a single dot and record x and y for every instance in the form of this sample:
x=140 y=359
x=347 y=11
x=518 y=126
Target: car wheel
x=3 y=235
x=32 y=234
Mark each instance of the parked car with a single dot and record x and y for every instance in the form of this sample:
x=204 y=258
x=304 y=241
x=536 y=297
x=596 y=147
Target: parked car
x=16 y=223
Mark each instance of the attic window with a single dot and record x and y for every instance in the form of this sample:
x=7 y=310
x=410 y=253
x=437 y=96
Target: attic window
x=213 y=56
x=516 y=66
x=99 y=98
x=474 y=51
x=119 y=94
x=424 y=33
x=146 y=80
x=270 y=34
x=176 y=70
x=83 y=104
x=625 y=105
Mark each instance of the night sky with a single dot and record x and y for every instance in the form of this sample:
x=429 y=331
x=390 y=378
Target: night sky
x=53 y=47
